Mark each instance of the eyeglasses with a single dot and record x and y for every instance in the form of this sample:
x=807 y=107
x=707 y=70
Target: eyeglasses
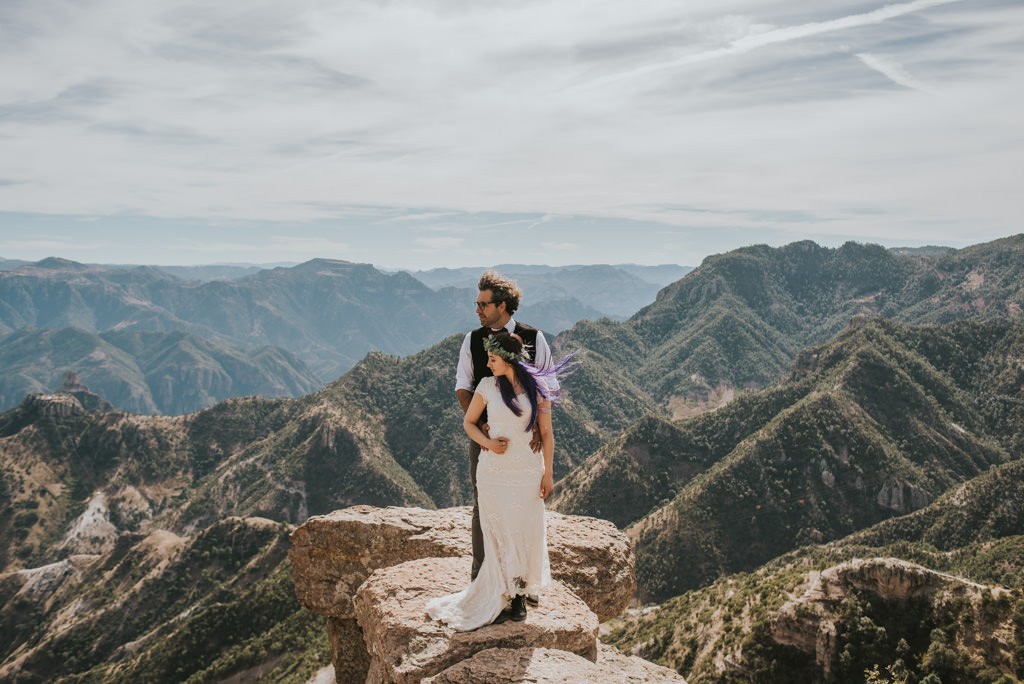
x=483 y=305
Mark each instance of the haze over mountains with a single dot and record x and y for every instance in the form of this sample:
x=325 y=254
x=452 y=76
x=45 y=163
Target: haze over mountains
x=241 y=330
x=875 y=411
x=148 y=372
x=615 y=291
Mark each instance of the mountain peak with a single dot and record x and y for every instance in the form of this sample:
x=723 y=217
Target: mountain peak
x=90 y=401
x=60 y=264
x=321 y=262
x=316 y=268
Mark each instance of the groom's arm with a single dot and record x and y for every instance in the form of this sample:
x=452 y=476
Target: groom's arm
x=465 y=396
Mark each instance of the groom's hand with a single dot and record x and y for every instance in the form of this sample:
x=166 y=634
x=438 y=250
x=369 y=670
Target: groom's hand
x=536 y=442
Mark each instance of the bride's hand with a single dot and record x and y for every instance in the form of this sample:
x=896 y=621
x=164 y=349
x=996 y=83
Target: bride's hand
x=499 y=445
x=546 y=485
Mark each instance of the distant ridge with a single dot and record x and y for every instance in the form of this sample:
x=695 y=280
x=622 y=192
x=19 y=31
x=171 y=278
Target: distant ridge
x=660 y=275
x=58 y=264
x=328 y=312
x=167 y=373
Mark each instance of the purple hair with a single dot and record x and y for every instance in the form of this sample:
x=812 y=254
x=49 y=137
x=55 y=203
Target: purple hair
x=529 y=376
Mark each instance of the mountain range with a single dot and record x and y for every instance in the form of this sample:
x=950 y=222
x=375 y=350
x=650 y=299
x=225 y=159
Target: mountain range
x=868 y=405
x=615 y=291
x=235 y=330
x=168 y=373
x=738 y=321
x=880 y=421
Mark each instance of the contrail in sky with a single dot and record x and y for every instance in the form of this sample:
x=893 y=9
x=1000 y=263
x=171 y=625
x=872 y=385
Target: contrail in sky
x=783 y=35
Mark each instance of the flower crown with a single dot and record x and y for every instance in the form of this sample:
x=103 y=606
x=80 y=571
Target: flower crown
x=492 y=346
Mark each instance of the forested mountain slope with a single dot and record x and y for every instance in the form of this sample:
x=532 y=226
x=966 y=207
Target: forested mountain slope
x=879 y=422
x=952 y=606
x=738 y=320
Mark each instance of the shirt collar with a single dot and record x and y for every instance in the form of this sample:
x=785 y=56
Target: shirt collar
x=509 y=327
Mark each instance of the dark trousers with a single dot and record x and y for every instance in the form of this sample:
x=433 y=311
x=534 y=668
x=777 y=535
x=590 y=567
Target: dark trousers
x=478 y=535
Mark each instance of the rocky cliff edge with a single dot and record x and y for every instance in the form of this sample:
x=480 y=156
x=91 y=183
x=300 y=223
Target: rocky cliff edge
x=371 y=571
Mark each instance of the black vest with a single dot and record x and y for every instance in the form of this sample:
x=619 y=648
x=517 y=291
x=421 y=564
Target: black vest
x=476 y=348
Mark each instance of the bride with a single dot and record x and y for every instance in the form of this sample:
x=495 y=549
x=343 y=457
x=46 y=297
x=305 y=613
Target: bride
x=513 y=481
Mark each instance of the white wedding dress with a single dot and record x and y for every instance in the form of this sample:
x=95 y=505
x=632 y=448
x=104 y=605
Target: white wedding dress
x=511 y=518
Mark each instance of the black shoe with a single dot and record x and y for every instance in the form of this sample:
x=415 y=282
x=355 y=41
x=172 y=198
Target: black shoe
x=533 y=600
x=518 y=609
x=503 y=616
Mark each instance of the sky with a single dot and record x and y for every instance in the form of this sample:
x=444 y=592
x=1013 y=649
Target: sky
x=445 y=133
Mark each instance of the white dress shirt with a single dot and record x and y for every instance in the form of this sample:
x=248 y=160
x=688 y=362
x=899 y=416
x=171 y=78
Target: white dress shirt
x=540 y=358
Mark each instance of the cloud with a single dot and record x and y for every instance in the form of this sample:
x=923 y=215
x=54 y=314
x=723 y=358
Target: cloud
x=51 y=246
x=422 y=216
x=440 y=243
x=560 y=246
x=761 y=36
x=771 y=118
x=892 y=70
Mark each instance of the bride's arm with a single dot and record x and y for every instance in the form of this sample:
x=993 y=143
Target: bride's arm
x=547 y=436
x=469 y=424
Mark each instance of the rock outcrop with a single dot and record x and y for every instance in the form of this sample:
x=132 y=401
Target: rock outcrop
x=550 y=666
x=52 y=405
x=408 y=646
x=810 y=622
x=372 y=570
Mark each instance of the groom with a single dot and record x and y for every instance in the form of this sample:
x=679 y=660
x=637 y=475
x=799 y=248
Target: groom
x=496 y=301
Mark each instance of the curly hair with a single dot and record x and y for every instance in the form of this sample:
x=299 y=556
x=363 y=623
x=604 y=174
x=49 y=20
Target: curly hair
x=502 y=290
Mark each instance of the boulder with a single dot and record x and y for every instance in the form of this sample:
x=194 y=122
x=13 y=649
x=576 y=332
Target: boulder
x=594 y=559
x=332 y=555
x=549 y=666
x=405 y=645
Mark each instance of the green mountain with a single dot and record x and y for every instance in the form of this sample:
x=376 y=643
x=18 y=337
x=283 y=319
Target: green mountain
x=148 y=548
x=142 y=548
x=411 y=401
x=114 y=509
x=160 y=607
x=387 y=432
x=953 y=608
x=147 y=372
x=738 y=320
x=879 y=422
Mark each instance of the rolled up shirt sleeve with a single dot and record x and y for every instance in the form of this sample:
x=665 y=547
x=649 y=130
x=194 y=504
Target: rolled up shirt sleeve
x=464 y=370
